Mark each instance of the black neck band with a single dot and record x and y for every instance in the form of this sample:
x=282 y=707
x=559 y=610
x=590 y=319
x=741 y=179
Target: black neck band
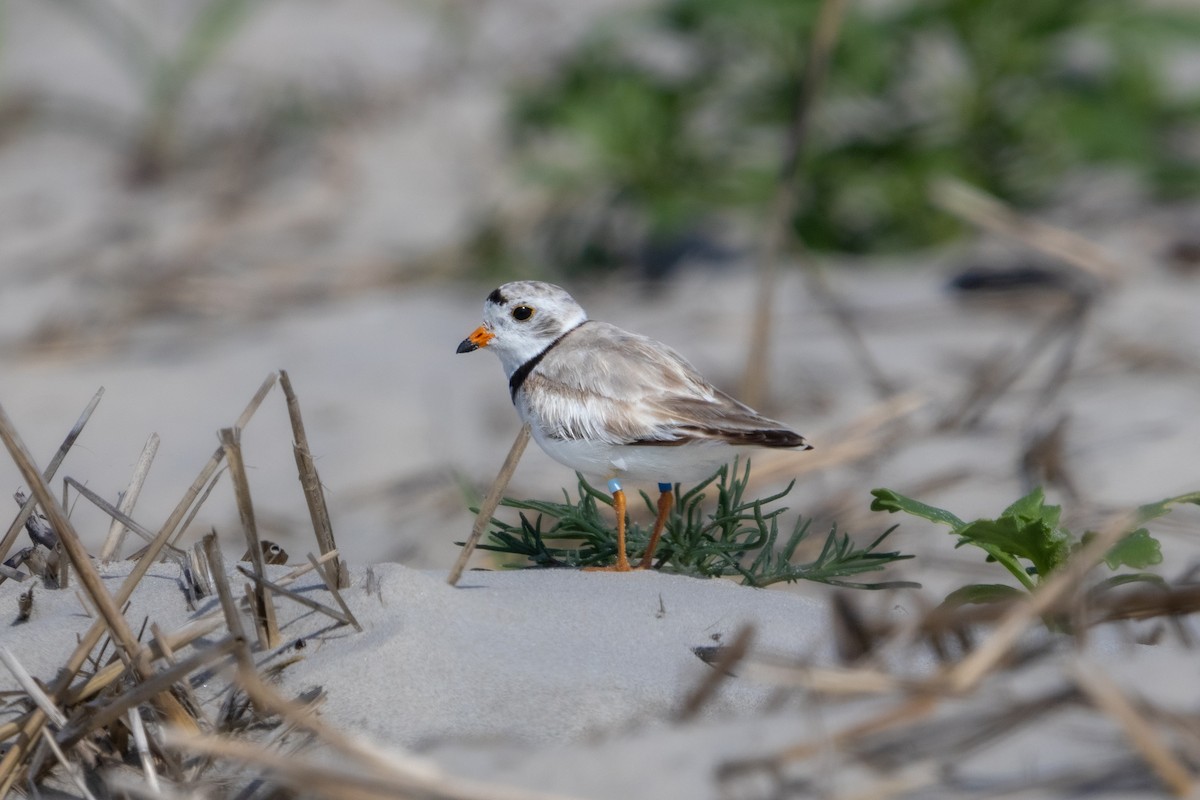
x=522 y=372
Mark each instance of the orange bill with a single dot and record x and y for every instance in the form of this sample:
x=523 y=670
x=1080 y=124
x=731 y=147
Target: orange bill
x=478 y=338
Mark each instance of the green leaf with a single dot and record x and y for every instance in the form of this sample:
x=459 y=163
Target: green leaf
x=1137 y=550
x=981 y=593
x=1154 y=510
x=887 y=500
x=1032 y=507
x=1043 y=545
x=1127 y=578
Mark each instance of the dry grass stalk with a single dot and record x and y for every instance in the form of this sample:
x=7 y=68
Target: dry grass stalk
x=187 y=523
x=143 y=747
x=304 y=569
x=117 y=531
x=233 y=620
x=1107 y=697
x=310 y=482
x=161 y=642
x=27 y=507
x=121 y=518
x=828 y=680
x=1127 y=604
x=264 y=606
x=299 y=598
x=329 y=577
x=489 y=504
x=383 y=782
x=722 y=668
x=777 y=230
x=31 y=688
x=11 y=573
x=981 y=209
x=910 y=710
x=71 y=766
x=864 y=438
x=108 y=607
x=28 y=729
x=997 y=375
x=115 y=709
x=107 y=675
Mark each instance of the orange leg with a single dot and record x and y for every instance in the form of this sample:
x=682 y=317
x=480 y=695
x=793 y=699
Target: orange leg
x=665 y=501
x=622 y=564
x=619 y=509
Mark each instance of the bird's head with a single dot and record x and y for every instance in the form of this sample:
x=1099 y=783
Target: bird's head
x=521 y=319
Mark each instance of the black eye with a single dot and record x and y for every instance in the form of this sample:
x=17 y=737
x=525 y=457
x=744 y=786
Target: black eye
x=522 y=313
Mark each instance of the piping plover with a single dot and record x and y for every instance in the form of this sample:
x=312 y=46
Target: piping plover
x=611 y=403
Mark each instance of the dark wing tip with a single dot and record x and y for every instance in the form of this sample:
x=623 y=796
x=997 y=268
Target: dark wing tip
x=781 y=438
x=775 y=438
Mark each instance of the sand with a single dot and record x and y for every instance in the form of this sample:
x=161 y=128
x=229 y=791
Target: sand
x=345 y=266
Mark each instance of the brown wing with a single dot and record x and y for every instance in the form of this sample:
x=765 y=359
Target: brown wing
x=606 y=384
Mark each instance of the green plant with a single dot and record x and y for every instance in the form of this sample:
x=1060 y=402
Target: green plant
x=1028 y=541
x=671 y=116
x=739 y=538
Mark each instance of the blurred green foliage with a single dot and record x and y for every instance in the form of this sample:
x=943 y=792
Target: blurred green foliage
x=666 y=119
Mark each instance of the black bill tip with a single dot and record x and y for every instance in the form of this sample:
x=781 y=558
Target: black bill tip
x=466 y=346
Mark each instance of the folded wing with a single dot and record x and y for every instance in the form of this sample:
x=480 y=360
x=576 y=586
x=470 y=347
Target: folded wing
x=621 y=388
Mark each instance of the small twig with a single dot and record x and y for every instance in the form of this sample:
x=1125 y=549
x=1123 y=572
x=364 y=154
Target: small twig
x=27 y=507
x=72 y=767
x=304 y=569
x=233 y=619
x=162 y=644
x=120 y=517
x=112 y=672
x=116 y=531
x=157 y=684
x=299 y=598
x=187 y=523
x=30 y=687
x=310 y=482
x=489 y=504
x=143 y=747
x=11 y=573
x=330 y=580
x=264 y=612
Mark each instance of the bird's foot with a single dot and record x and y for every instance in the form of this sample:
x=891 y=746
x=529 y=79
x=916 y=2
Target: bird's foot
x=626 y=567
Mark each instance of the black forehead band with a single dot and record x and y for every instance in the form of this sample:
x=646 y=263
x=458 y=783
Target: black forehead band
x=497 y=298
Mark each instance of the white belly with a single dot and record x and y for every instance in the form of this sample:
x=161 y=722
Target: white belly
x=689 y=462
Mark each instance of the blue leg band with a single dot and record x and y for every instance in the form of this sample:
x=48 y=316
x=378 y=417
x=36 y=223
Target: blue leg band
x=614 y=486
x=664 y=487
